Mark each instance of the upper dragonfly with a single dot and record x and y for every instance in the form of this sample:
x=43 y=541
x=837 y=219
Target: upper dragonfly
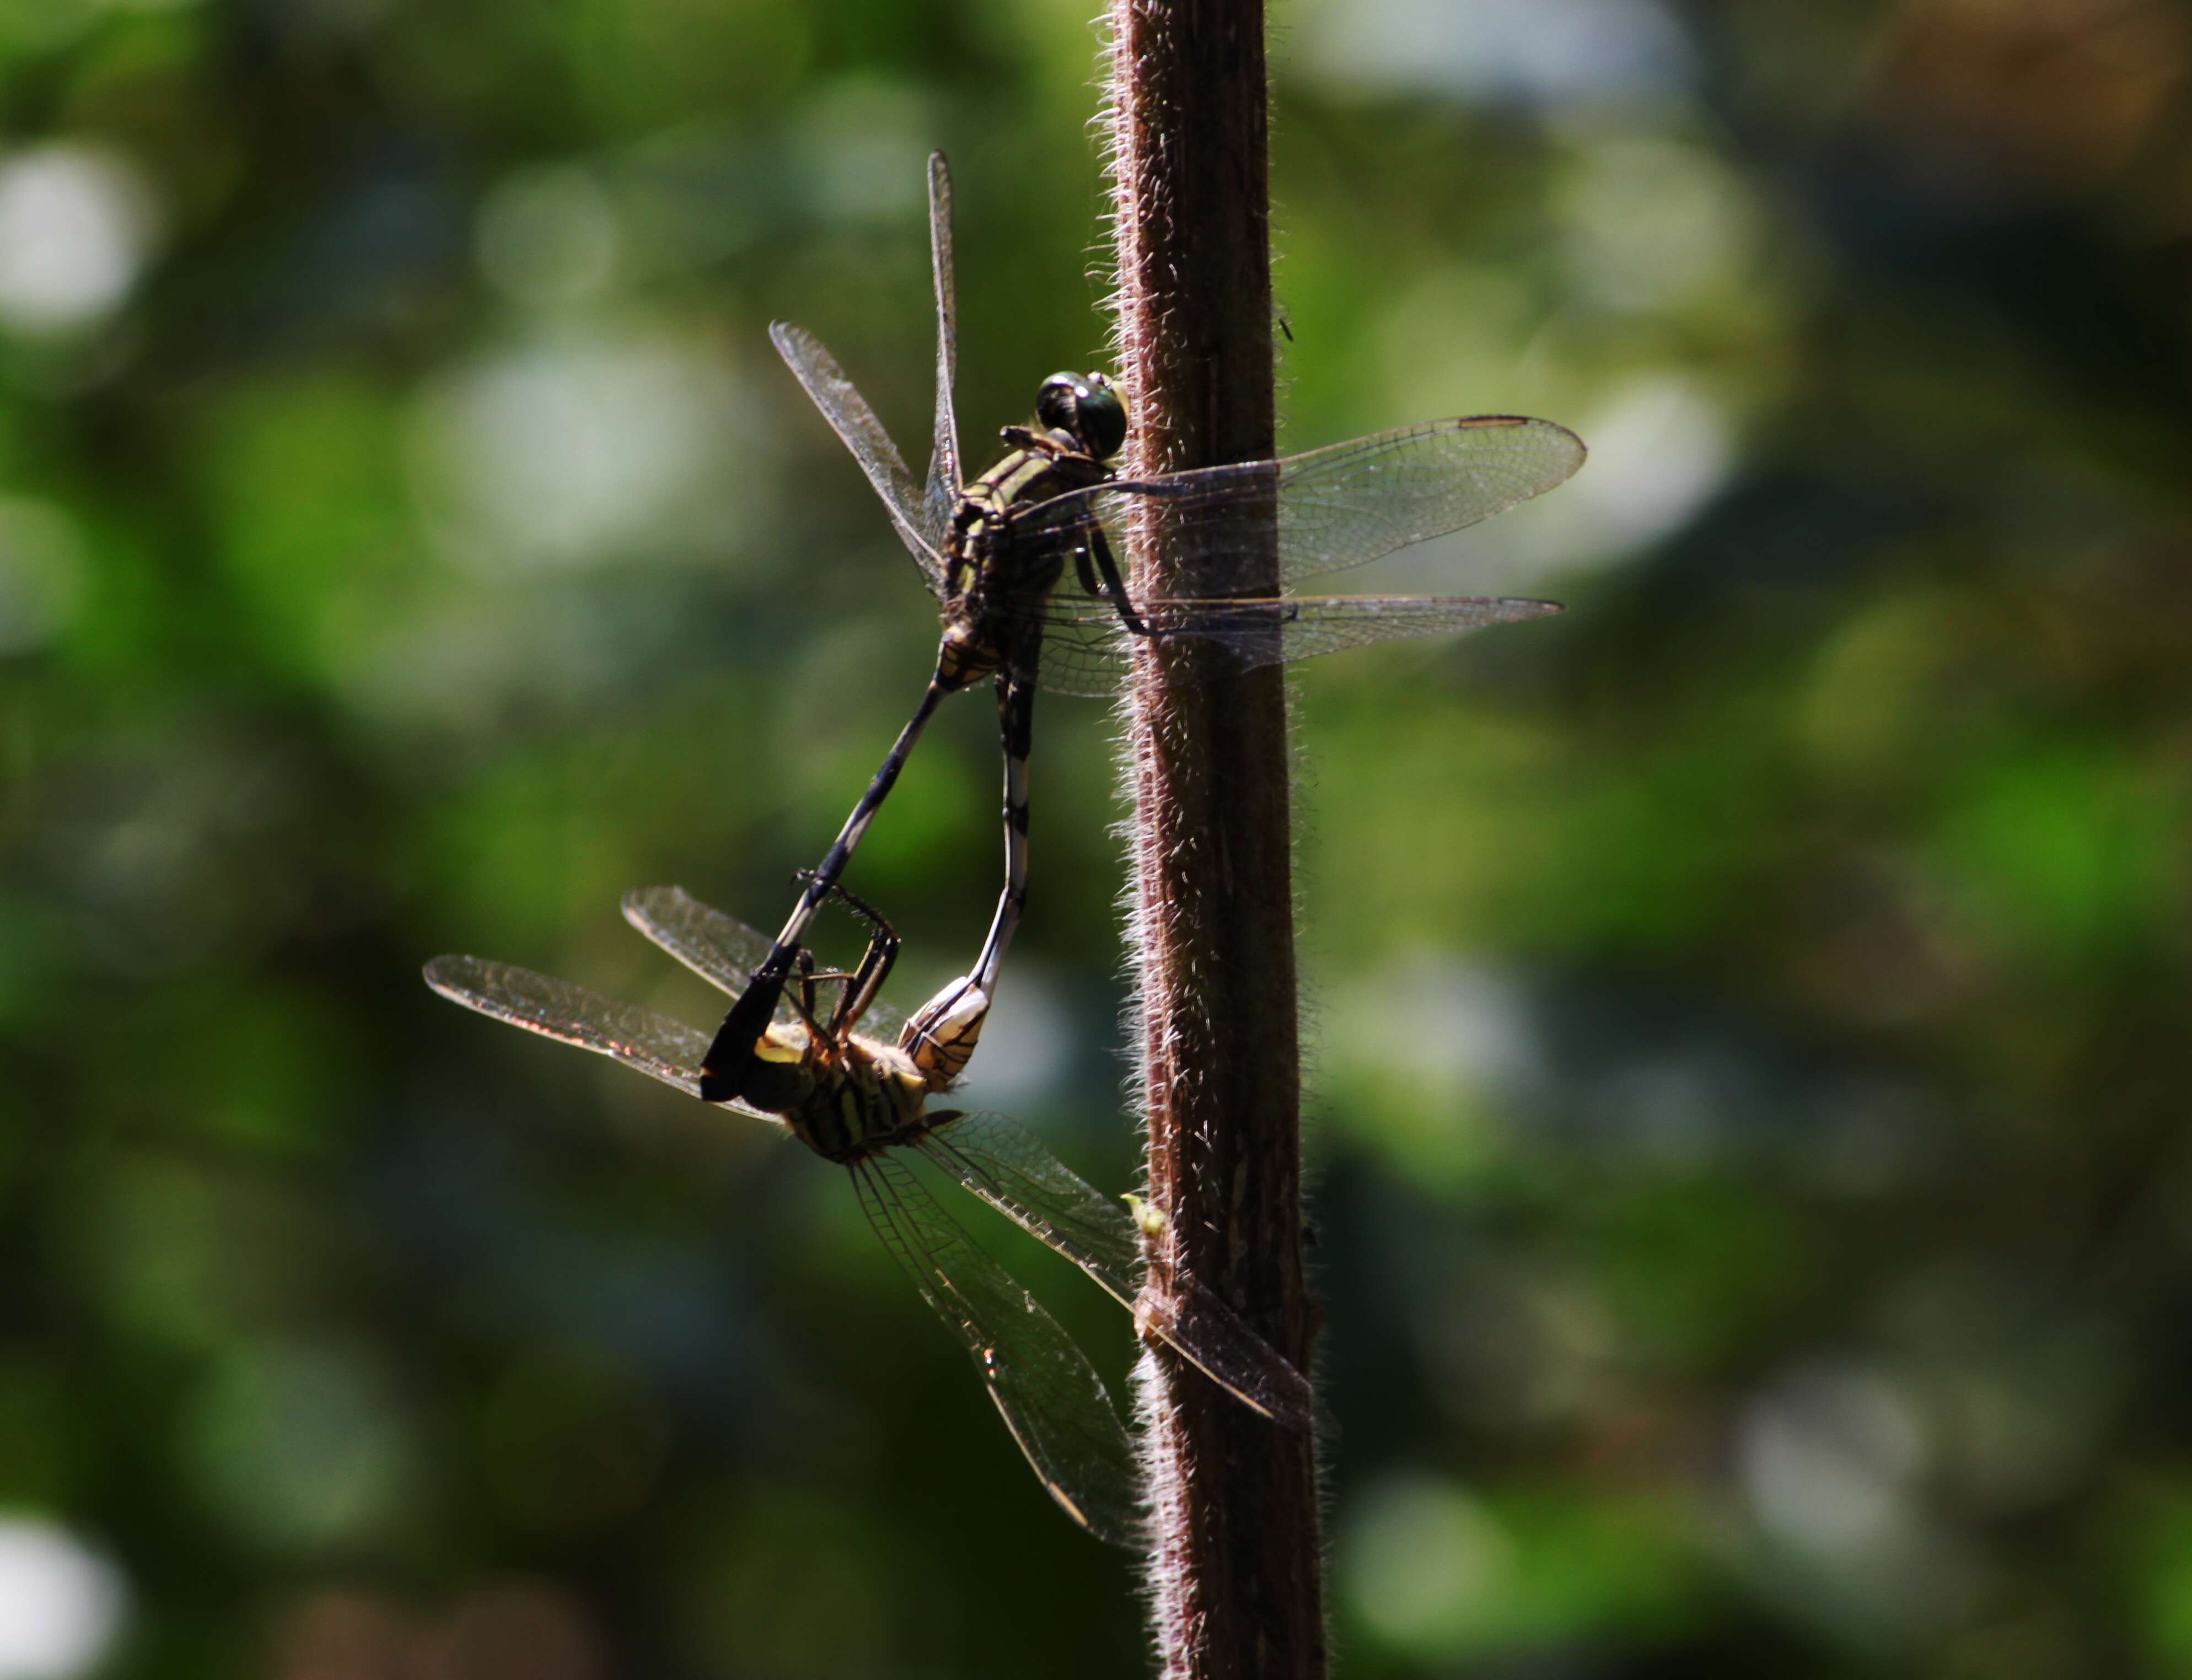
x=995 y=554
x=859 y=1100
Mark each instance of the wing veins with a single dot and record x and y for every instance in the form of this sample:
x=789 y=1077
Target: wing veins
x=1050 y=1396
x=721 y=949
x=860 y=431
x=941 y=496
x=648 y=1043
x=1007 y=1167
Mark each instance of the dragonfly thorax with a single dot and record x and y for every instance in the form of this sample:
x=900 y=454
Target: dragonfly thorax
x=990 y=567
x=844 y=1100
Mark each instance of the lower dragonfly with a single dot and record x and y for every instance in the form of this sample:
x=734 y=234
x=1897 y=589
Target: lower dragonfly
x=858 y=1101
x=995 y=554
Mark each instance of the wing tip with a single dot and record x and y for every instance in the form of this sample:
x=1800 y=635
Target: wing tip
x=640 y=902
x=793 y=341
x=1574 y=442
x=1516 y=422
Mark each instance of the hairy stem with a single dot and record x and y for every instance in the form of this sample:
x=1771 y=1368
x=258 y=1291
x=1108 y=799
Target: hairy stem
x=1233 y=1573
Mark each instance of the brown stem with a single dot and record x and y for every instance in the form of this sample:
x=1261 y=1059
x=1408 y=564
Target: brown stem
x=1234 y=1572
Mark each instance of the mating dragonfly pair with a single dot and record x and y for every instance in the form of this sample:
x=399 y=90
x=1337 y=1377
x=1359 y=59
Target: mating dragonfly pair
x=860 y=1102
x=995 y=554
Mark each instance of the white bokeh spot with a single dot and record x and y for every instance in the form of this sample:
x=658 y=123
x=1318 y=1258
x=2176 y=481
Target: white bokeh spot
x=76 y=227
x=1660 y=449
x=1550 y=52
x=60 y=1604
x=573 y=450
x=1830 y=1458
x=1027 y=1043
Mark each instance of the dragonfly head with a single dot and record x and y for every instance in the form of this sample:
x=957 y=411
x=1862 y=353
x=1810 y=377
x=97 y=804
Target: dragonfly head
x=1087 y=408
x=780 y=1079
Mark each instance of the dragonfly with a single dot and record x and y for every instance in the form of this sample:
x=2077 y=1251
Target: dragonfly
x=996 y=553
x=860 y=1102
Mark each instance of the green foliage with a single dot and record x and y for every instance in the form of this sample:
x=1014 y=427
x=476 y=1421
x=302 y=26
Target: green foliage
x=1749 y=1012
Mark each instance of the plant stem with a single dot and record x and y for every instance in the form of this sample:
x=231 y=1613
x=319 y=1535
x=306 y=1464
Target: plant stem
x=1234 y=1567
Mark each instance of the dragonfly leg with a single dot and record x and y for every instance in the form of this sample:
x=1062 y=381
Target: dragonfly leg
x=874 y=967
x=803 y=998
x=1091 y=585
x=942 y=1035
x=1016 y=736
x=731 y=1061
x=1113 y=589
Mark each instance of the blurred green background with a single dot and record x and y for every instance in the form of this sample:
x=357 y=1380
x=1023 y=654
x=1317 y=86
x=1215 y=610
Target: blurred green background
x=1749 y=1014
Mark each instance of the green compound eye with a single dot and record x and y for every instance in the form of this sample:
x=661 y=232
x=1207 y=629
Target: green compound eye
x=1086 y=408
x=1103 y=418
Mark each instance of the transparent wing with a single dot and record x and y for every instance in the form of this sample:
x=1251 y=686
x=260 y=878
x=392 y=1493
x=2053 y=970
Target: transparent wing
x=659 y=1047
x=1009 y=1168
x=722 y=950
x=942 y=494
x=1042 y=1385
x=1084 y=649
x=1337 y=507
x=719 y=949
x=853 y=420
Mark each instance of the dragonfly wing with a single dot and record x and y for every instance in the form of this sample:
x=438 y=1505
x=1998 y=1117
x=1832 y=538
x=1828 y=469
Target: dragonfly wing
x=1333 y=508
x=942 y=494
x=721 y=949
x=1089 y=657
x=1043 y=1386
x=1267 y=632
x=1349 y=503
x=662 y=1049
x=1084 y=649
x=853 y=420
x=1007 y=1167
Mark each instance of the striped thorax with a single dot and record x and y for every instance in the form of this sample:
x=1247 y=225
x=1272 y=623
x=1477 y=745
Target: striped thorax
x=1082 y=423
x=842 y=1100
x=846 y=1097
